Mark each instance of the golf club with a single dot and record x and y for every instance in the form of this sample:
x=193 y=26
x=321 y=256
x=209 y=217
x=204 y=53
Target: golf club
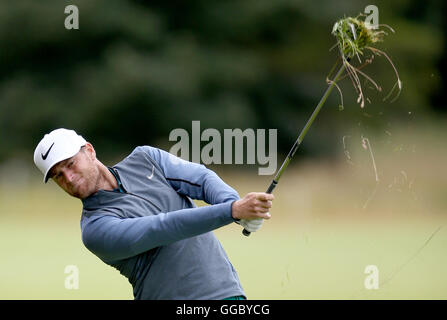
x=301 y=137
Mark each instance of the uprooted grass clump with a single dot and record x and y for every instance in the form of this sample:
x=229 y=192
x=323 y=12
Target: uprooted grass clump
x=355 y=38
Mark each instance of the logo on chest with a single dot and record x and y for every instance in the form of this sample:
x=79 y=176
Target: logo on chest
x=152 y=174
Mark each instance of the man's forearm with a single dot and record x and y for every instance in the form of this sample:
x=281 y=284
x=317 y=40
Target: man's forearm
x=112 y=238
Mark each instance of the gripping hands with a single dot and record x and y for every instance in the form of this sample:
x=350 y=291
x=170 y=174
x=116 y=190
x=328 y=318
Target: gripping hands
x=252 y=209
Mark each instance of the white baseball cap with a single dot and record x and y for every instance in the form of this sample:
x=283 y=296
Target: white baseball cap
x=56 y=146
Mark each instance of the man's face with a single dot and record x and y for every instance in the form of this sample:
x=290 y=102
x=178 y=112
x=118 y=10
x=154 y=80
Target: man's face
x=77 y=175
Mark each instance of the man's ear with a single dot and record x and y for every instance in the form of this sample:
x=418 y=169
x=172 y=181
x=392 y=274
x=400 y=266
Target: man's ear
x=90 y=151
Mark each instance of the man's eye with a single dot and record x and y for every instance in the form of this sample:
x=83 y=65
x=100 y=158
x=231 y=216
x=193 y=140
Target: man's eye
x=70 y=164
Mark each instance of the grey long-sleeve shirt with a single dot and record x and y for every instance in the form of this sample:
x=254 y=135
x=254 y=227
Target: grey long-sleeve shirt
x=155 y=235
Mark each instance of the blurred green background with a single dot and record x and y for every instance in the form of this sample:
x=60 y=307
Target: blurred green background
x=136 y=70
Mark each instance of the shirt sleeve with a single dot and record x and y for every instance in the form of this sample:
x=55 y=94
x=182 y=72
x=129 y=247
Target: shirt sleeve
x=112 y=238
x=192 y=179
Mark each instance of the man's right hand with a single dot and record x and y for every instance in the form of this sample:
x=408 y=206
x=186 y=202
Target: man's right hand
x=254 y=205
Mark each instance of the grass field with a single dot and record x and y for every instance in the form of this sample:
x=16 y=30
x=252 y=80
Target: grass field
x=331 y=219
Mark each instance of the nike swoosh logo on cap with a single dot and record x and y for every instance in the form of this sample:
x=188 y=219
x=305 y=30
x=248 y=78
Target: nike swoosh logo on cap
x=44 y=156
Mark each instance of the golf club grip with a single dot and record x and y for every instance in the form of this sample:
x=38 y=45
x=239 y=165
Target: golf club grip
x=269 y=190
x=271 y=187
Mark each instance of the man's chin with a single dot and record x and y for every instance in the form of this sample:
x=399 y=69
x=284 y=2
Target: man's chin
x=82 y=196
x=75 y=194
x=79 y=194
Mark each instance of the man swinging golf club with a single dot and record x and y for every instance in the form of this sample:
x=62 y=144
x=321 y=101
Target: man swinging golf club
x=138 y=216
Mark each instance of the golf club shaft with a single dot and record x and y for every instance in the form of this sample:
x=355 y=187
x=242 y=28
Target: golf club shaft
x=301 y=137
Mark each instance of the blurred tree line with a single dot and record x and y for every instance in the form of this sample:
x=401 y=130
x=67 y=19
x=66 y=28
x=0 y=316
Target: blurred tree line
x=135 y=70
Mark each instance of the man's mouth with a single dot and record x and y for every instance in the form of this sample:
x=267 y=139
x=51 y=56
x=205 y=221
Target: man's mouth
x=76 y=185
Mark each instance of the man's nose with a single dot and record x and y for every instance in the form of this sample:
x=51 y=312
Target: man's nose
x=68 y=174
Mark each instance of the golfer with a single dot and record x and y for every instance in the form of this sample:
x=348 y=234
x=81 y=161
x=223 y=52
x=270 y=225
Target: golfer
x=138 y=216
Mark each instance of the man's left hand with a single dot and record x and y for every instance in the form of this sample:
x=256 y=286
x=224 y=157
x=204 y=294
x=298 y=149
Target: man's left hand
x=252 y=225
